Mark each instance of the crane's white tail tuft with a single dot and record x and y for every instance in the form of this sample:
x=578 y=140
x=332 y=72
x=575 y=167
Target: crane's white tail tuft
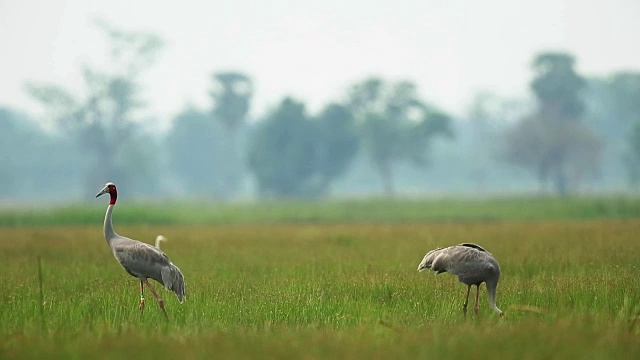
x=174 y=281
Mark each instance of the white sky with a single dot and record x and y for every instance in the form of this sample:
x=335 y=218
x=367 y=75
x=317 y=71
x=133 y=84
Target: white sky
x=315 y=50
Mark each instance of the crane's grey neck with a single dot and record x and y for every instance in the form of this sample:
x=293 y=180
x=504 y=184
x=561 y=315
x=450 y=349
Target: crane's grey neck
x=109 y=233
x=491 y=292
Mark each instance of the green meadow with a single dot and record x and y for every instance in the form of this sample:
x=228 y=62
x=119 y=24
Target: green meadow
x=331 y=280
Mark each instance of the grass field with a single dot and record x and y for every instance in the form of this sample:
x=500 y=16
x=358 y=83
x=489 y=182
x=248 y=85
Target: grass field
x=328 y=289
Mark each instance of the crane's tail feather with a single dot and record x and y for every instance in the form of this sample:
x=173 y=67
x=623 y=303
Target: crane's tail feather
x=174 y=281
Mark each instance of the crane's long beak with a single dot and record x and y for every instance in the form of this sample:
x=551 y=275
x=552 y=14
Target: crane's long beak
x=103 y=191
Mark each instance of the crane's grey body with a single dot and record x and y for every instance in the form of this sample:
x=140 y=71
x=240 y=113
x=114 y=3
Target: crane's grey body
x=139 y=259
x=472 y=264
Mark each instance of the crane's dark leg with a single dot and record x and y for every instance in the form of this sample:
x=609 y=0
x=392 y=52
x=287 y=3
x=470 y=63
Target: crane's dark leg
x=160 y=301
x=141 y=296
x=475 y=306
x=466 y=301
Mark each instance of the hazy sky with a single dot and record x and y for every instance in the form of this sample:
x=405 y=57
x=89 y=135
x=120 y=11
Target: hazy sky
x=316 y=49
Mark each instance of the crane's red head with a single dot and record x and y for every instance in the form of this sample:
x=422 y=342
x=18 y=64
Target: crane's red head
x=110 y=188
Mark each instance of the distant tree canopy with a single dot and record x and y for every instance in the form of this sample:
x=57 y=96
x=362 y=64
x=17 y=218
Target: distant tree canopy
x=211 y=152
x=102 y=121
x=32 y=159
x=194 y=152
x=553 y=142
x=557 y=86
x=624 y=89
x=395 y=124
x=294 y=155
x=12 y=141
x=486 y=120
x=633 y=158
x=282 y=150
x=336 y=143
x=232 y=93
x=560 y=152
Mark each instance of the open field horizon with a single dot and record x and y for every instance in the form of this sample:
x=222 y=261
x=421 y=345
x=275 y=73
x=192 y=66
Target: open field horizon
x=372 y=210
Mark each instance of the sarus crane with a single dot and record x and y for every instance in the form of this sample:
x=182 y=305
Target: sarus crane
x=141 y=260
x=160 y=238
x=472 y=264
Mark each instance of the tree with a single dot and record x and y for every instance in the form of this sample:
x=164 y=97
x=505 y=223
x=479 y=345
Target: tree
x=552 y=142
x=395 y=124
x=295 y=155
x=32 y=159
x=632 y=159
x=336 y=144
x=231 y=94
x=232 y=98
x=562 y=153
x=11 y=139
x=624 y=92
x=624 y=88
x=282 y=151
x=479 y=137
x=194 y=154
x=557 y=86
x=103 y=122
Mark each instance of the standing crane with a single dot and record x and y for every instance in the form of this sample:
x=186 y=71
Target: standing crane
x=472 y=264
x=141 y=260
x=160 y=238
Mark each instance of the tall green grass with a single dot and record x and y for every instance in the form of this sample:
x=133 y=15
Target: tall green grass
x=365 y=210
x=568 y=288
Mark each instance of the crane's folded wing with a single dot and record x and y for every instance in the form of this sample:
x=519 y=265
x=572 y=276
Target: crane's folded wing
x=141 y=260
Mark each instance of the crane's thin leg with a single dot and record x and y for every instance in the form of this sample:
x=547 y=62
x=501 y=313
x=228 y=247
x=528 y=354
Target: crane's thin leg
x=475 y=307
x=466 y=301
x=160 y=301
x=141 y=296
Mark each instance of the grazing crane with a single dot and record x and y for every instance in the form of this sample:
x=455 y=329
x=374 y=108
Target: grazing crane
x=160 y=238
x=139 y=259
x=472 y=264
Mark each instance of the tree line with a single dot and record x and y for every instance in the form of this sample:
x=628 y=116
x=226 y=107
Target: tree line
x=573 y=130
